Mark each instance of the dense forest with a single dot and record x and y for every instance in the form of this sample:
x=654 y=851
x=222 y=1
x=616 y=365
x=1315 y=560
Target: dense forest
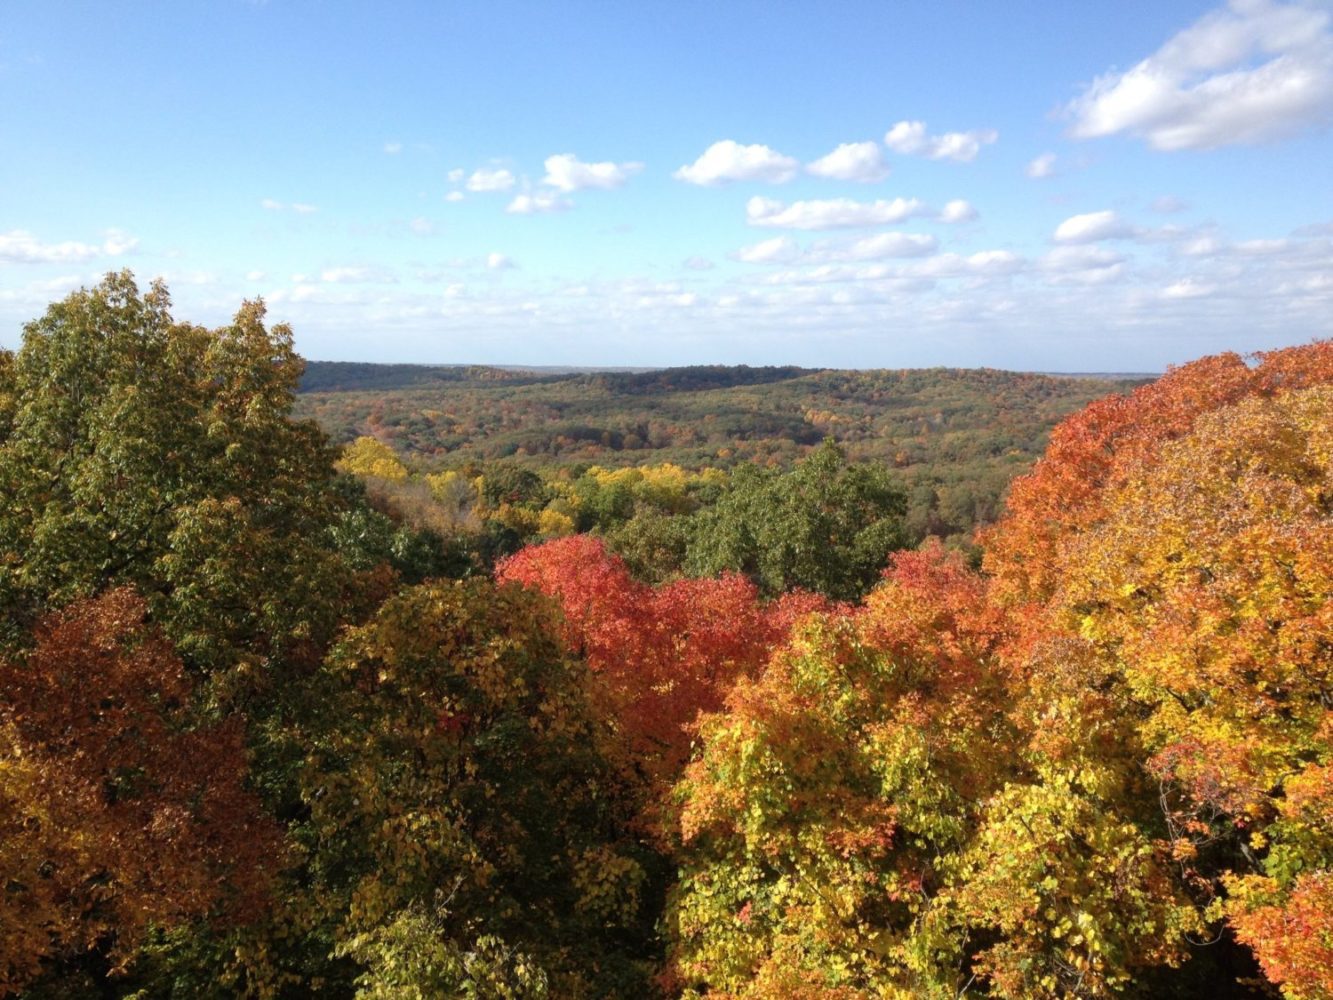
x=389 y=713
x=954 y=438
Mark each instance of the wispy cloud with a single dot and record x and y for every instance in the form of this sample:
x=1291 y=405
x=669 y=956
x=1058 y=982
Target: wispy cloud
x=1041 y=167
x=538 y=203
x=780 y=249
x=22 y=247
x=299 y=207
x=835 y=213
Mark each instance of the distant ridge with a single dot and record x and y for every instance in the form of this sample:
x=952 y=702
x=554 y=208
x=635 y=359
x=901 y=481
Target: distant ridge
x=358 y=376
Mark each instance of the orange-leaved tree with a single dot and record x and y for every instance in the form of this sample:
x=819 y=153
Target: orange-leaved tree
x=829 y=800
x=1166 y=571
x=659 y=655
x=1209 y=588
x=118 y=809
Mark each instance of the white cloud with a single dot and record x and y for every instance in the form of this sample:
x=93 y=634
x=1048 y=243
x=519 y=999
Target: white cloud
x=456 y=175
x=911 y=139
x=1251 y=72
x=835 y=213
x=780 y=249
x=697 y=263
x=958 y=210
x=393 y=148
x=729 y=161
x=356 y=275
x=539 y=203
x=255 y=275
x=984 y=263
x=302 y=208
x=1091 y=227
x=490 y=179
x=1087 y=265
x=22 y=247
x=566 y=172
x=1041 y=167
x=1188 y=288
x=498 y=262
x=271 y=205
x=455 y=196
x=421 y=226
x=883 y=245
x=852 y=161
x=117 y=243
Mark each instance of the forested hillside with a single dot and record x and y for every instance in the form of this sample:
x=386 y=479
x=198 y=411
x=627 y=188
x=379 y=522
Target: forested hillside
x=955 y=438
x=281 y=719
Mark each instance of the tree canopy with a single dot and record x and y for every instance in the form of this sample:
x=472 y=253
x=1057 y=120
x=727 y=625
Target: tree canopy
x=276 y=727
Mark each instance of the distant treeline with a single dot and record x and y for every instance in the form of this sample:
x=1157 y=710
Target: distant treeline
x=956 y=437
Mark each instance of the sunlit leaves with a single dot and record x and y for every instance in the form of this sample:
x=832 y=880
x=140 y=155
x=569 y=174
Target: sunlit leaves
x=368 y=457
x=155 y=453
x=659 y=655
x=825 y=800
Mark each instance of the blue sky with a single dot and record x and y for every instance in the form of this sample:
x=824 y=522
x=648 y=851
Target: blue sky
x=1089 y=186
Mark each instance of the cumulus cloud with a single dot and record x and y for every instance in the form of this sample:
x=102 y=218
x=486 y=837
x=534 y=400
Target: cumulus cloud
x=958 y=210
x=565 y=172
x=852 y=161
x=1041 y=167
x=727 y=161
x=301 y=208
x=486 y=179
x=21 y=247
x=393 y=148
x=911 y=139
x=455 y=196
x=1092 y=227
x=538 y=203
x=1251 y=72
x=881 y=246
x=780 y=249
x=834 y=213
x=498 y=262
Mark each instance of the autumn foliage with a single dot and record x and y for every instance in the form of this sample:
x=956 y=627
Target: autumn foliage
x=1139 y=799
x=121 y=809
x=660 y=655
x=254 y=740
